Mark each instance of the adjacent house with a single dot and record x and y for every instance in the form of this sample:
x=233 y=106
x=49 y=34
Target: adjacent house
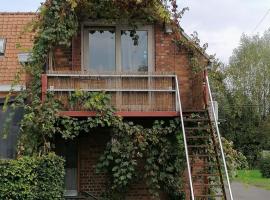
x=152 y=79
x=13 y=36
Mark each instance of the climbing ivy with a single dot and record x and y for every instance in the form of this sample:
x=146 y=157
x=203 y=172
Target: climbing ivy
x=154 y=154
x=134 y=152
x=159 y=150
x=194 y=51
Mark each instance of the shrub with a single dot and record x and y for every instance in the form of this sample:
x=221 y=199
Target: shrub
x=32 y=178
x=235 y=159
x=265 y=166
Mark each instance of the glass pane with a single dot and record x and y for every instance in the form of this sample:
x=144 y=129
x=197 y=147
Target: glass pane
x=69 y=150
x=2 y=46
x=102 y=51
x=134 y=54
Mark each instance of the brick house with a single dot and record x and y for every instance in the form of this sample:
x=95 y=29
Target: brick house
x=143 y=81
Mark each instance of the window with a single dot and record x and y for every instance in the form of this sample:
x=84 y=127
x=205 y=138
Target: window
x=2 y=46
x=112 y=49
x=134 y=56
x=8 y=146
x=101 y=50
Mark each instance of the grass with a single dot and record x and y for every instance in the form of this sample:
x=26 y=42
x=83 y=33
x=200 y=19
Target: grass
x=253 y=177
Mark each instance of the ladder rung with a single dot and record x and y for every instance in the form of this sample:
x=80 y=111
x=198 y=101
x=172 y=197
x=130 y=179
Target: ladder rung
x=207 y=185
x=206 y=171
x=193 y=111
x=198 y=146
x=205 y=174
x=204 y=165
x=200 y=156
x=210 y=195
x=197 y=128
x=196 y=120
x=198 y=137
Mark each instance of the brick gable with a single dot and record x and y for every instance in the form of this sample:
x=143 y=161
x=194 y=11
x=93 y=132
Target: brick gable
x=12 y=26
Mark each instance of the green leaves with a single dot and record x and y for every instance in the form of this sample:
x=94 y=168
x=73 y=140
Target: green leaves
x=32 y=178
x=264 y=166
x=57 y=23
x=242 y=88
x=154 y=154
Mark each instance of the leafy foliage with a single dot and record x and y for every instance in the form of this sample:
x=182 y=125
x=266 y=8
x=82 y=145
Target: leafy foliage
x=155 y=155
x=158 y=150
x=32 y=178
x=264 y=166
x=242 y=89
x=249 y=71
x=159 y=147
x=235 y=159
x=194 y=50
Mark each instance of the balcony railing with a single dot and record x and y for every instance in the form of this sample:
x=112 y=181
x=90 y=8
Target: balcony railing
x=152 y=93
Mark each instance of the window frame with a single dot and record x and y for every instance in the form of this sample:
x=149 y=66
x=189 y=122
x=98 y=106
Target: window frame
x=4 y=46
x=86 y=49
x=87 y=26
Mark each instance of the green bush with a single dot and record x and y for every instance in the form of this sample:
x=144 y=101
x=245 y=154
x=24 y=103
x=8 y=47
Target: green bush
x=32 y=178
x=265 y=166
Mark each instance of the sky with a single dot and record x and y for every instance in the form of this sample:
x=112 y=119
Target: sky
x=220 y=23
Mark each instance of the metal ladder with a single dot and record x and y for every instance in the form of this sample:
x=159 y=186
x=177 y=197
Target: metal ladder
x=203 y=163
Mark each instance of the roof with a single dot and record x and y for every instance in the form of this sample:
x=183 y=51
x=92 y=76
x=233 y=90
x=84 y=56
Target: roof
x=199 y=49
x=12 y=25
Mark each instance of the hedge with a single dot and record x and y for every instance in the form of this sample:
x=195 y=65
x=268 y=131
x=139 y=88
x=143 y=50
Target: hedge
x=32 y=178
x=264 y=166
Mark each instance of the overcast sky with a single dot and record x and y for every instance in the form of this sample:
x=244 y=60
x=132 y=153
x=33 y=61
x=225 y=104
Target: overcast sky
x=220 y=23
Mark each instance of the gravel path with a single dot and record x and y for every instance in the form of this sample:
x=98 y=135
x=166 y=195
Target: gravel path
x=247 y=192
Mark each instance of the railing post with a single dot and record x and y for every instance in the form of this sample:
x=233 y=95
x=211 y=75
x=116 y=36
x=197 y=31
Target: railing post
x=219 y=137
x=44 y=81
x=184 y=137
x=205 y=88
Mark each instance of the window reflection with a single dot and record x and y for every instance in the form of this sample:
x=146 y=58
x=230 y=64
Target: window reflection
x=134 y=54
x=2 y=46
x=102 y=51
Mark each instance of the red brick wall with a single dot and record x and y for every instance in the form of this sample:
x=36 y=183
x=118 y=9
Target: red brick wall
x=62 y=59
x=168 y=58
x=76 y=52
x=91 y=148
x=68 y=58
x=12 y=26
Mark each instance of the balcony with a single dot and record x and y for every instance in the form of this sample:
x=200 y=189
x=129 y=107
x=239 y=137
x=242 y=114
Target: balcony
x=133 y=95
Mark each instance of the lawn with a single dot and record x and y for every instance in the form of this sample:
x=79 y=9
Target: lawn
x=253 y=177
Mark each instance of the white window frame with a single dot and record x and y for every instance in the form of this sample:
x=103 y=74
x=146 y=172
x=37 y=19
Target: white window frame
x=86 y=27
x=4 y=46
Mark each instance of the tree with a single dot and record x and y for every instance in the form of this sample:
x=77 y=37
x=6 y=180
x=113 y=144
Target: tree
x=249 y=71
x=243 y=91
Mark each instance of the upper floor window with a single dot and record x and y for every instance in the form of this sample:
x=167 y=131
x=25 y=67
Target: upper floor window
x=112 y=49
x=101 y=50
x=2 y=46
x=134 y=54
